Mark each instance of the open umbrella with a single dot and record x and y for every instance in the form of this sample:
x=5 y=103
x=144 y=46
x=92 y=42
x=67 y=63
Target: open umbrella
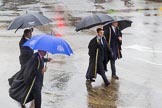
x=20 y=86
x=49 y=43
x=122 y=22
x=93 y=20
x=28 y=20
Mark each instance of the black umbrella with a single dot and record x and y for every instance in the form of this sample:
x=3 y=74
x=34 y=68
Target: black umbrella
x=122 y=23
x=28 y=20
x=93 y=20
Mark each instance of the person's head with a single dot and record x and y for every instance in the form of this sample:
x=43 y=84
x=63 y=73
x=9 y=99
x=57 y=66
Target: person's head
x=42 y=53
x=99 y=31
x=115 y=24
x=27 y=33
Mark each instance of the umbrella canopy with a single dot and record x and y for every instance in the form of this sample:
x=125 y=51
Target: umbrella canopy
x=122 y=23
x=93 y=20
x=49 y=43
x=28 y=20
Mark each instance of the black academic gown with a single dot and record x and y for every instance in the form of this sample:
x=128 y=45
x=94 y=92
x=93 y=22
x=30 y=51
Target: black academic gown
x=25 y=52
x=21 y=84
x=99 y=55
x=113 y=41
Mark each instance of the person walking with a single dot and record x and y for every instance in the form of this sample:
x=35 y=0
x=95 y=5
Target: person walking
x=26 y=85
x=114 y=39
x=99 y=53
x=37 y=87
x=25 y=52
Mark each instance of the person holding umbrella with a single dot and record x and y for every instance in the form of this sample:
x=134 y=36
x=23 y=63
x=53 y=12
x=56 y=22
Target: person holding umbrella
x=38 y=61
x=98 y=52
x=114 y=39
x=26 y=85
x=25 y=51
x=35 y=69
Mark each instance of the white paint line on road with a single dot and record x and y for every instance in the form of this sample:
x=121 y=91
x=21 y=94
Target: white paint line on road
x=142 y=48
x=146 y=61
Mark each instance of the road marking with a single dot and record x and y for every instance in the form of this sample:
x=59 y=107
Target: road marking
x=146 y=61
x=142 y=48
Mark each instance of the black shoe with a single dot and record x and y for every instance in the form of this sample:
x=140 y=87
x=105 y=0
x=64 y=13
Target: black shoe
x=106 y=85
x=115 y=77
x=23 y=106
x=92 y=80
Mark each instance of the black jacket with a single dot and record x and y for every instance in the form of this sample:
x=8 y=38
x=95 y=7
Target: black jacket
x=28 y=77
x=113 y=41
x=99 y=55
x=25 y=52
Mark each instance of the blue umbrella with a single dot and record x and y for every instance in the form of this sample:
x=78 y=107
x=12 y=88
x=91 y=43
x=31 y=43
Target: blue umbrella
x=49 y=43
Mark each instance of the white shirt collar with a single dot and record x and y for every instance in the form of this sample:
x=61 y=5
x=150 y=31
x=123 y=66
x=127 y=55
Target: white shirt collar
x=26 y=38
x=99 y=37
x=113 y=28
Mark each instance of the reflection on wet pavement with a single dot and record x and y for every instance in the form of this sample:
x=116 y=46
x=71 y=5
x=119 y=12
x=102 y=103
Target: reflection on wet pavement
x=60 y=79
x=102 y=97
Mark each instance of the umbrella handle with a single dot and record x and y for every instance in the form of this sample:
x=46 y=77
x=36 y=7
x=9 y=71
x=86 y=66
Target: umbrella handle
x=18 y=28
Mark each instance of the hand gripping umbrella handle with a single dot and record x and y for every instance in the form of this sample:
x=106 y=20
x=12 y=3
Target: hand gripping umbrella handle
x=47 y=60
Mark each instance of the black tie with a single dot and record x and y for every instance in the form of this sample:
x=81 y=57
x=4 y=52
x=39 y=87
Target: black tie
x=101 y=42
x=116 y=31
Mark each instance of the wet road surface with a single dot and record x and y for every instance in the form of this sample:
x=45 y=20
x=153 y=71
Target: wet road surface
x=65 y=85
